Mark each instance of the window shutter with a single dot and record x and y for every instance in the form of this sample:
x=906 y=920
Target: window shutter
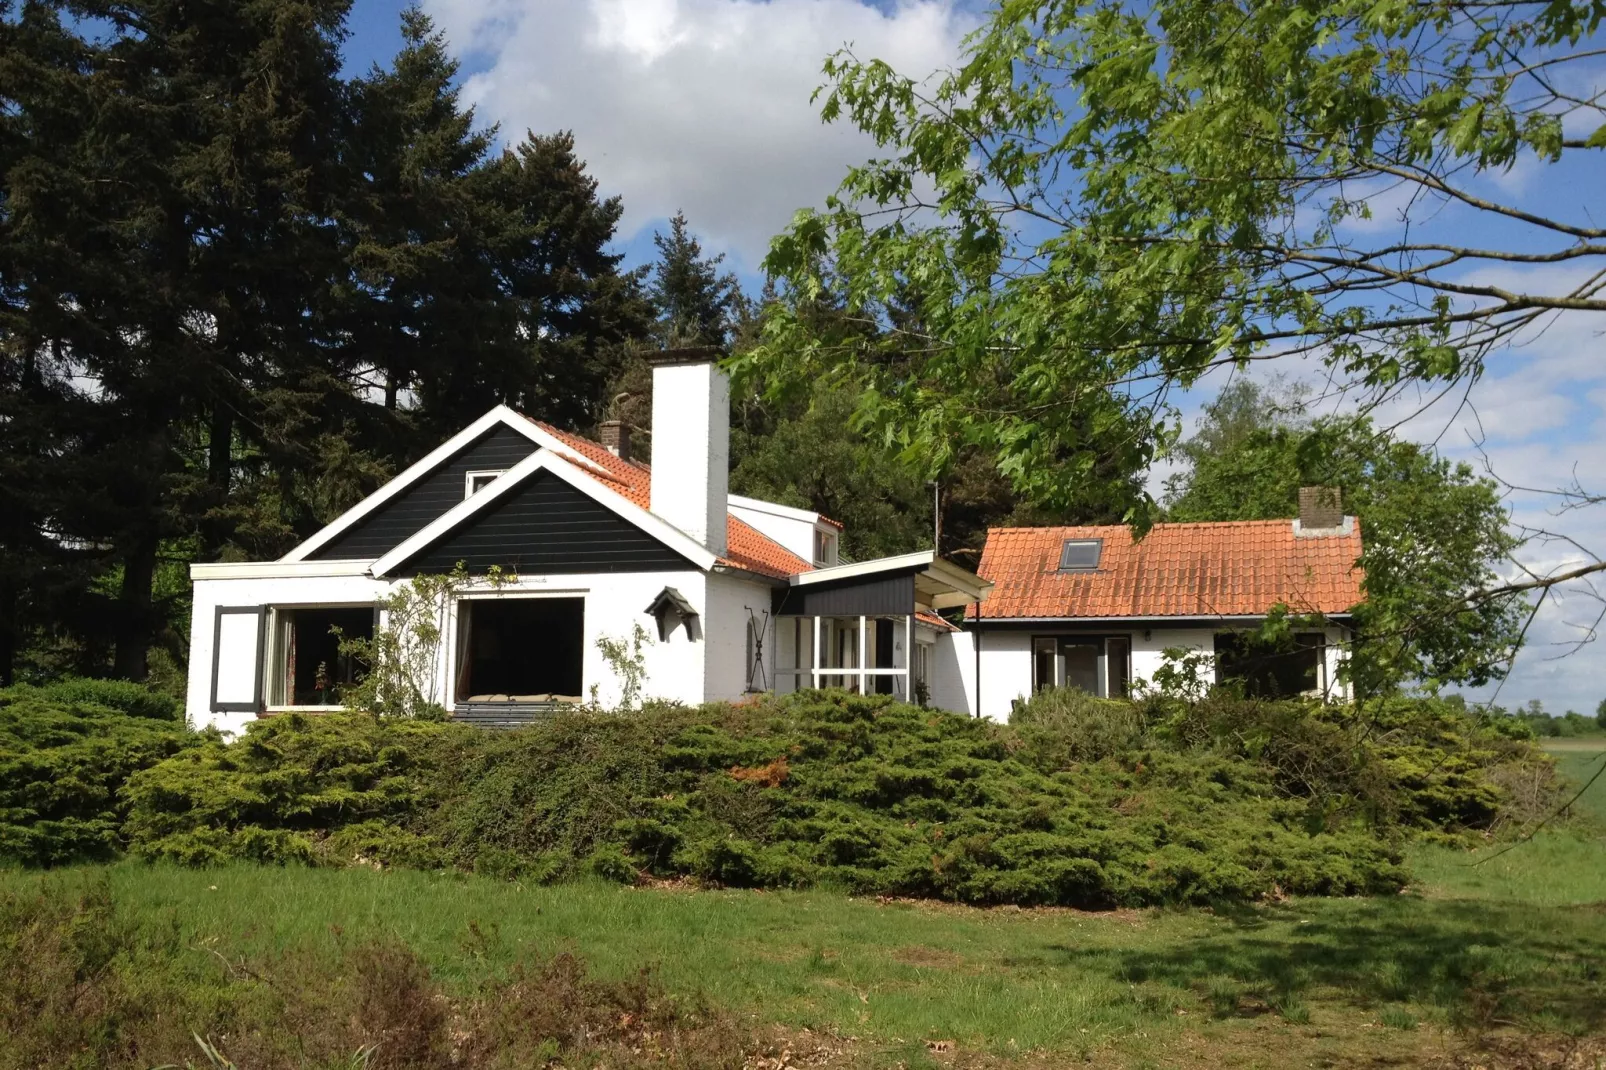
x=238 y=634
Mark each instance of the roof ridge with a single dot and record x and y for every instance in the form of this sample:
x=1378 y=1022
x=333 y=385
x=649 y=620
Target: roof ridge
x=1168 y=524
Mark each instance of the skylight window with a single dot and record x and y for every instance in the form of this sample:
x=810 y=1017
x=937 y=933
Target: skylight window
x=1080 y=555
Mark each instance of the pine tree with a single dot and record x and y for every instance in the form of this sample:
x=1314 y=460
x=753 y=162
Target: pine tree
x=694 y=303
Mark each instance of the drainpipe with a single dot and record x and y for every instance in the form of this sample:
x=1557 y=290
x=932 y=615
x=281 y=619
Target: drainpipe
x=978 y=659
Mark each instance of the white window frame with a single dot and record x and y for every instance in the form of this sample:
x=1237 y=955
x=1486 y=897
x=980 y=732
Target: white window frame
x=825 y=539
x=272 y=672
x=490 y=475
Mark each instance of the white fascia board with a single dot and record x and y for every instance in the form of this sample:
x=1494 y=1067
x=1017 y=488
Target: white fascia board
x=413 y=473
x=274 y=570
x=577 y=478
x=758 y=505
x=964 y=587
x=918 y=559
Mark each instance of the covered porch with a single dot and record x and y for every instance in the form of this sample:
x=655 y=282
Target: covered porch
x=869 y=628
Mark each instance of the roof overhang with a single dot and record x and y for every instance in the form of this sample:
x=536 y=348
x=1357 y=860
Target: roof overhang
x=1191 y=621
x=274 y=570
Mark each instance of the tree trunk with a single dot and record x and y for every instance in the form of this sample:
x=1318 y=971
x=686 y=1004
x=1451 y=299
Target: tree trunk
x=134 y=620
x=8 y=632
x=220 y=449
x=219 y=476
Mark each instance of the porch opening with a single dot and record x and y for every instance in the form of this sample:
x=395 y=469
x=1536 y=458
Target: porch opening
x=1271 y=670
x=307 y=667
x=520 y=650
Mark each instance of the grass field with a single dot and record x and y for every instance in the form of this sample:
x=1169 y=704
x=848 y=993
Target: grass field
x=1514 y=948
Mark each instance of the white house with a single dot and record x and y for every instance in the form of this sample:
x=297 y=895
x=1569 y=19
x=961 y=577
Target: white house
x=736 y=595
x=1092 y=607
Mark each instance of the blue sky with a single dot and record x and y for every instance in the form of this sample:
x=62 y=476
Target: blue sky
x=703 y=106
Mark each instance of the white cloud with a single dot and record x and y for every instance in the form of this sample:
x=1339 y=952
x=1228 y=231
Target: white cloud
x=694 y=105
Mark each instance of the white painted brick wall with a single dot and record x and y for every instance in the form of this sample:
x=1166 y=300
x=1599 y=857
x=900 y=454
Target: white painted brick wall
x=615 y=602
x=691 y=449
x=730 y=600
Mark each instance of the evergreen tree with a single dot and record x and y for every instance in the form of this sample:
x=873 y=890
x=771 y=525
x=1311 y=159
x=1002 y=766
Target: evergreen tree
x=695 y=303
x=236 y=291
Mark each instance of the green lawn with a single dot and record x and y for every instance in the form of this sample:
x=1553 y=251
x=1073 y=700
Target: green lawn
x=1515 y=946
x=1311 y=978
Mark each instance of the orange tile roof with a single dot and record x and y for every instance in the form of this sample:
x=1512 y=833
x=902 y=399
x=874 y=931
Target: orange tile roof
x=745 y=547
x=1238 y=568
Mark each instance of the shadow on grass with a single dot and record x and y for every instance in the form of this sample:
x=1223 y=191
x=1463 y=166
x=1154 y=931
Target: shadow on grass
x=1479 y=964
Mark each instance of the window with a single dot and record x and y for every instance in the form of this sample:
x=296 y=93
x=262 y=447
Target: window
x=824 y=548
x=1271 y=671
x=1082 y=665
x=1045 y=663
x=1118 y=665
x=1099 y=665
x=307 y=666
x=1080 y=555
x=520 y=650
x=922 y=665
x=475 y=482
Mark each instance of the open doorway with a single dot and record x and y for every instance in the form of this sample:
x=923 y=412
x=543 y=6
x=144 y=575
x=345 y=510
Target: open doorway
x=520 y=650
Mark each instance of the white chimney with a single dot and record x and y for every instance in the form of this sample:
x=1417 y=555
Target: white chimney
x=691 y=443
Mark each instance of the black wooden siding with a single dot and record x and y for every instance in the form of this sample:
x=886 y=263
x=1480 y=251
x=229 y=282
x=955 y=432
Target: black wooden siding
x=409 y=512
x=867 y=597
x=546 y=526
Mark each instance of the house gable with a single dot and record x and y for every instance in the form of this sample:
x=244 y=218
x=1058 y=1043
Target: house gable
x=392 y=523
x=545 y=526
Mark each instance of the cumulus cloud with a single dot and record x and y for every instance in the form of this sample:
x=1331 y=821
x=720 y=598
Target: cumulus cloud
x=694 y=105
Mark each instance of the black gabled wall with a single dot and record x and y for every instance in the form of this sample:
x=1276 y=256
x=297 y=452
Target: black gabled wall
x=546 y=526
x=865 y=596
x=409 y=512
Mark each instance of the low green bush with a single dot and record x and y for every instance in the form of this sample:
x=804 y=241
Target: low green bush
x=126 y=697
x=1078 y=801
x=861 y=793
x=1415 y=764
x=65 y=753
x=292 y=789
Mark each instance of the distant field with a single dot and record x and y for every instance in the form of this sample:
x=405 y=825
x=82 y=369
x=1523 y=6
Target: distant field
x=1578 y=760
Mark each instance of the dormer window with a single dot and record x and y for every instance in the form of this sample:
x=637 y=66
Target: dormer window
x=475 y=482
x=1081 y=555
x=824 y=548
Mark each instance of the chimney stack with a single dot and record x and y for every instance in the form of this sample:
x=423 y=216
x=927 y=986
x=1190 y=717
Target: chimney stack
x=616 y=437
x=1320 y=510
x=691 y=443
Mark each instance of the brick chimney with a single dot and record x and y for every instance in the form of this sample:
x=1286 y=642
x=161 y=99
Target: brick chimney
x=691 y=443
x=1321 y=510
x=616 y=437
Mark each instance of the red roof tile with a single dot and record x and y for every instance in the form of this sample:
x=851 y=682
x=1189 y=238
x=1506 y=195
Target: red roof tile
x=1177 y=570
x=745 y=547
